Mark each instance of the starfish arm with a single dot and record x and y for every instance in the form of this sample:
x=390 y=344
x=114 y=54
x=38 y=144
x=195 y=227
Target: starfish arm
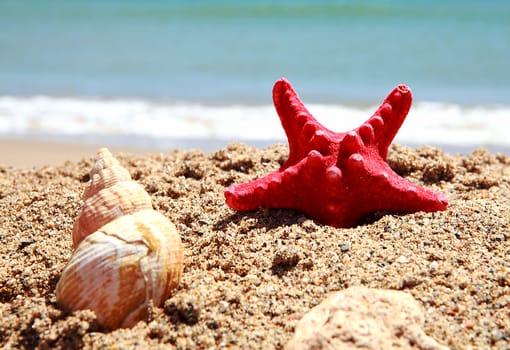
x=243 y=196
x=381 y=128
x=282 y=189
x=259 y=193
x=395 y=193
x=385 y=190
x=410 y=198
x=298 y=123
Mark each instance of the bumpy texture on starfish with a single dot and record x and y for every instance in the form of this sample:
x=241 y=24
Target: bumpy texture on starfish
x=336 y=178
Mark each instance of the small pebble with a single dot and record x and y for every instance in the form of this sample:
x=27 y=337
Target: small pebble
x=433 y=267
x=403 y=259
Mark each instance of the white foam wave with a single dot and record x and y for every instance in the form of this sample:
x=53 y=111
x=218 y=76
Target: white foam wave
x=427 y=123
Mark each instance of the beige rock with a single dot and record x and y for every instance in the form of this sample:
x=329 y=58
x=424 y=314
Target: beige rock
x=364 y=318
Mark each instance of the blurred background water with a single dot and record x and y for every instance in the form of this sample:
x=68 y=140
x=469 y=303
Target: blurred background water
x=153 y=72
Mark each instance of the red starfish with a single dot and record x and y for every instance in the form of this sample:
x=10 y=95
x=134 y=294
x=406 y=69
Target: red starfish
x=337 y=178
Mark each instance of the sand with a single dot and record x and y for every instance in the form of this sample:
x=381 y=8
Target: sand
x=249 y=277
x=23 y=153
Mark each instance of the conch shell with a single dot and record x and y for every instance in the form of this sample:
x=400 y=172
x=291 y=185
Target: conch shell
x=127 y=254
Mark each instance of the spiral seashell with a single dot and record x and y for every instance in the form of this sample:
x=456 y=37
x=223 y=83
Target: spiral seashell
x=126 y=263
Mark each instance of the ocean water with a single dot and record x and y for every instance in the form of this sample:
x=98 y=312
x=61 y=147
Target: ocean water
x=152 y=72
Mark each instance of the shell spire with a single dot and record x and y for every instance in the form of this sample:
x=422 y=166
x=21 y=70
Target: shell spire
x=126 y=255
x=110 y=194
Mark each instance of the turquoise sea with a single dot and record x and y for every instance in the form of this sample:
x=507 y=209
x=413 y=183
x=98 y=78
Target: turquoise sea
x=205 y=68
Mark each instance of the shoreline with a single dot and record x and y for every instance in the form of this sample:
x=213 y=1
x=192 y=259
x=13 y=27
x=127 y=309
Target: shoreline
x=24 y=153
